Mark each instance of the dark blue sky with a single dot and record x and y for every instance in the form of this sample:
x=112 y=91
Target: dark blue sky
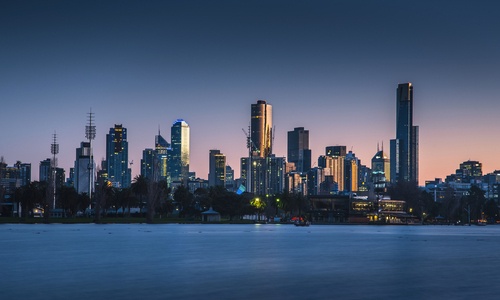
x=329 y=66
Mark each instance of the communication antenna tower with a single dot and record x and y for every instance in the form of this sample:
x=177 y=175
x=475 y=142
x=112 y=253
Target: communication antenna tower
x=90 y=135
x=54 y=149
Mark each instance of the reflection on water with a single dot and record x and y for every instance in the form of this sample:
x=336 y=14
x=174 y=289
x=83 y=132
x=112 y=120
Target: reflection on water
x=138 y=261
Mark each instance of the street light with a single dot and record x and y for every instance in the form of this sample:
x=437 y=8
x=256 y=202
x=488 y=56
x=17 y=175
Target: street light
x=277 y=204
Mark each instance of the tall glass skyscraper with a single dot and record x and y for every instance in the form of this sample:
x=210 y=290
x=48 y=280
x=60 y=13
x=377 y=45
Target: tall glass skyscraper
x=217 y=169
x=298 y=149
x=161 y=158
x=404 y=148
x=119 y=174
x=261 y=127
x=179 y=160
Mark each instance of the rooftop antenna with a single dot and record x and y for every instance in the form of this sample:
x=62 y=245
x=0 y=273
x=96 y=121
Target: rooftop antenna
x=90 y=135
x=54 y=149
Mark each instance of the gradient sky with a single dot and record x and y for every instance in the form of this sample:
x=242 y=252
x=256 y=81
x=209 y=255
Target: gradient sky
x=329 y=66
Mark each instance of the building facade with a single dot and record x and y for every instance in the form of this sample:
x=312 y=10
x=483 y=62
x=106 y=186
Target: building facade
x=84 y=176
x=381 y=171
x=335 y=168
x=351 y=172
x=161 y=159
x=261 y=128
x=263 y=175
x=117 y=163
x=217 y=168
x=179 y=159
x=298 y=149
x=404 y=148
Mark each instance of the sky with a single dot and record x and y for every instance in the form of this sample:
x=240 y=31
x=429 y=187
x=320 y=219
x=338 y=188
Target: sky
x=331 y=67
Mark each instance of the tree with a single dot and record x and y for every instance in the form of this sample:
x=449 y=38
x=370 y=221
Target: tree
x=156 y=191
x=184 y=198
x=287 y=202
x=451 y=207
x=83 y=202
x=474 y=202
x=103 y=192
x=68 y=199
x=140 y=187
x=123 y=199
x=202 y=199
x=491 y=210
x=30 y=196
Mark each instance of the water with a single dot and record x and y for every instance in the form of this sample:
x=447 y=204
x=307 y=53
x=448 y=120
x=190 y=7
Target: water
x=139 y=261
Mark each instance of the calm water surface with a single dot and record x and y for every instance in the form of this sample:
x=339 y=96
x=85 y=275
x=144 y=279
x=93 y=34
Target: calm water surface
x=138 y=261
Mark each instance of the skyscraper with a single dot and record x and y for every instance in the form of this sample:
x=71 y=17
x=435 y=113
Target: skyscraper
x=381 y=164
x=147 y=163
x=335 y=168
x=404 y=148
x=261 y=128
x=217 y=168
x=160 y=163
x=298 y=149
x=230 y=178
x=84 y=176
x=263 y=175
x=179 y=165
x=351 y=173
x=119 y=174
x=44 y=170
x=381 y=171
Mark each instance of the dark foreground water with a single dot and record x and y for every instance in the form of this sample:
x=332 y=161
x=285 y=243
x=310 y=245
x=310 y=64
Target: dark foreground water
x=136 y=261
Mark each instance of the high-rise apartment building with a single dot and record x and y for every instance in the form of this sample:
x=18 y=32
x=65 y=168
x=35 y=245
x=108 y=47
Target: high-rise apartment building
x=44 y=170
x=119 y=174
x=83 y=172
x=263 y=175
x=261 y=128
x=179 y=162
x=298 y=149
x=404 y=148
x=15 y=176
x=147 y=163
x=230 y=184
x=315 y=176
x=351 y=173
x=335 y=166
x=217 y=169
x=469 y=171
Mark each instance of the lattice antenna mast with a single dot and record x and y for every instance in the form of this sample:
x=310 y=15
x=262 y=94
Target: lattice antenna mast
x=90 y=135
x=54 y=149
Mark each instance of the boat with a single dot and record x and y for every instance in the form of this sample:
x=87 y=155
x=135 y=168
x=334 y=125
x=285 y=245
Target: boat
x=302 y=223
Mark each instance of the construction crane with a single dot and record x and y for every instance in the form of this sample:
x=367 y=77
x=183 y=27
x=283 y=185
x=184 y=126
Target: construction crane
x=250 y=144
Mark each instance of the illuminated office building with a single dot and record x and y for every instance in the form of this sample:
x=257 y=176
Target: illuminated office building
x=179 y=159
x=217 y=169
x=117 y=163
x=261 y=128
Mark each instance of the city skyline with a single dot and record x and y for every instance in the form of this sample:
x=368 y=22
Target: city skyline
x=330 y=67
